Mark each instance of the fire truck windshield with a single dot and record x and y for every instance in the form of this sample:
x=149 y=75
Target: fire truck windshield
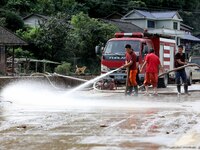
x=118 y=47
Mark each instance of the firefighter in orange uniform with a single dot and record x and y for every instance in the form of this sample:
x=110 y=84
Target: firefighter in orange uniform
x=152 y=69
x=131 y=59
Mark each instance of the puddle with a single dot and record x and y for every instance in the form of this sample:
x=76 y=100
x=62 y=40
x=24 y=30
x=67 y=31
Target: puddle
x=40 y=117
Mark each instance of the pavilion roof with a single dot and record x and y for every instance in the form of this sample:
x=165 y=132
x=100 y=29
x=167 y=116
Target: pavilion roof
x=9 y=38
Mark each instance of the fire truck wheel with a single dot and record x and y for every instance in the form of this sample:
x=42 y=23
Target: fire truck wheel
x=162 y=82
x=166 y=80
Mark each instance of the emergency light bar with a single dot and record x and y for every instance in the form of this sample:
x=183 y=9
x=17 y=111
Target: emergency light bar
x=134 y=34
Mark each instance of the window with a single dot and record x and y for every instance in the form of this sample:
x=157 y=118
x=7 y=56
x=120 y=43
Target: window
x=150 y=24
x=195 y=60
x=118 y=46
x=175 y=26
x=145 y=50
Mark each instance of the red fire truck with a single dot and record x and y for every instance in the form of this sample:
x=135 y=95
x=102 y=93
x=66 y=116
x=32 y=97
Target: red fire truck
x=113 y=54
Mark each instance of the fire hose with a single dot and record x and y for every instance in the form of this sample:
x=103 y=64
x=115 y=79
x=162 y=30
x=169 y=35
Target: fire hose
x=189 y=65
x=95 y=83
x=46 y=75
x=160 y=75
x=173 y=70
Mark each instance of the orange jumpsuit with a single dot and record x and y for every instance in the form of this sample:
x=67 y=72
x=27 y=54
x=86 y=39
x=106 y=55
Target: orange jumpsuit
x=133 y=68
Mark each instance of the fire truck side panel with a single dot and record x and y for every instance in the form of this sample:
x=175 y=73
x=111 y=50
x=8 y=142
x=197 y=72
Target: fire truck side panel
x=156 y=42
x=166 y=55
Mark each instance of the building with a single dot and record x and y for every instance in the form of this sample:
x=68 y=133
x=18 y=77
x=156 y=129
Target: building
x=124 y=26
x=114 y=15
x=154 y=20
x=34 y=20
x=164 y=23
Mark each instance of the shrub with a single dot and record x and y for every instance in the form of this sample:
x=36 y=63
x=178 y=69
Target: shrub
x=64 y=68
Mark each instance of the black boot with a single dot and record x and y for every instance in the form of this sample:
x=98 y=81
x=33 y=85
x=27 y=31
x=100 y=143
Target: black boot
x=179 y=88
x=186 y=88
x=130 y=89
x=136 y=90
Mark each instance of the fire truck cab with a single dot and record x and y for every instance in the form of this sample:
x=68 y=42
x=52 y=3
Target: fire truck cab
x=113 y=54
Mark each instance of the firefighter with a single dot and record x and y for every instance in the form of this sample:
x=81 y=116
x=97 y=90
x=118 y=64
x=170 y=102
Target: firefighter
x=180 y=61
x=131 y=63
x=152 y=69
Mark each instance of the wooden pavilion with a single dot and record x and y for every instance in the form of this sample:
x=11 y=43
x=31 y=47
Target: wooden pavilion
x=8 y=39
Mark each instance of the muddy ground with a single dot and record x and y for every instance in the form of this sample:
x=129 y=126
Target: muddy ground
x=93 y=120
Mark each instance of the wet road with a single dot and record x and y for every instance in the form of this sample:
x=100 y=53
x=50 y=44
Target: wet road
x=105 y=121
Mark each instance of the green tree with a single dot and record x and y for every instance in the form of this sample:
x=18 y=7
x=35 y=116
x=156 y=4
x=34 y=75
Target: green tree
x=86 y=34
x=190 y=14
x=100 y=9
x=136 y=4
x=30 y=34
x=3 y=3
x=48 y=40
x=22 y=7
x=20 y=53
x=45 y=7
x=11 y=20
x=2 y=21
x=52 y=37
x=52 y=7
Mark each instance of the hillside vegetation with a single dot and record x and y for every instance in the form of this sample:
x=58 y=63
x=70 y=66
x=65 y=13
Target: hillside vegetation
x=73 y=29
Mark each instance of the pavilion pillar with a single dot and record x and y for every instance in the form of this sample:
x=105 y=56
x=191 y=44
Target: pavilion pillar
x=13 y=61
x=2 y=60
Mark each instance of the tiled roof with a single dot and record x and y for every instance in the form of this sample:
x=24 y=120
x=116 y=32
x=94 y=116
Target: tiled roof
x=165 y=14
x=154 y=14
x=124 y=26
x=114 y=15
x=38 y=15
x=145 y=14
x=189 y=37
x=9 y=38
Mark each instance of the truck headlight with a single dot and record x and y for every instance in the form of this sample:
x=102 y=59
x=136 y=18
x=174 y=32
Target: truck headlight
x=104 y=68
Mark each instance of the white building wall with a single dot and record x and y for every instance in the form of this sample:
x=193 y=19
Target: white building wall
x=164 y=24
x=179 y=25
x=33 y=21
x=140 y=23
x=176 y=17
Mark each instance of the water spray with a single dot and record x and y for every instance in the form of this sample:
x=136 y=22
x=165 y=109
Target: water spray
x=93 y=80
